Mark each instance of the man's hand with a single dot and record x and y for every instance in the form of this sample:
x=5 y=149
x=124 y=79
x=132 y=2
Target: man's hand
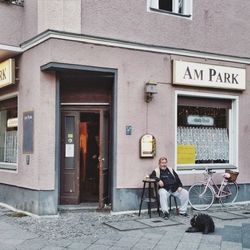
x=161 y=184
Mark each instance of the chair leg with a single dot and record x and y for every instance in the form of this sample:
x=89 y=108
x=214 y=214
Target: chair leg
x=176 y=206
x=170 y=204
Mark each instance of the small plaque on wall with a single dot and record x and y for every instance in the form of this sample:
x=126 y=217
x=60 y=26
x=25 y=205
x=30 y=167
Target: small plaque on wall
x=147 y=146
x=28 y=132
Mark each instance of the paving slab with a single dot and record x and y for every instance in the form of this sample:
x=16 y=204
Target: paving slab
x=226 y=215
x=97 y=247
x=169 y=246
x=246 y=235
x=226 y=245
x=33 y=244
x=6 y=247
x=244 y=213
x=78 y=245
x=141 y=224
x=232 y=233
x=211 y=239
x=126 y=225
x=187 y=245
x=208 y=247
x=159 y=222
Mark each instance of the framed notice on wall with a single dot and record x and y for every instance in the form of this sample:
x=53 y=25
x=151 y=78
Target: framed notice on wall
x=28 y=132
x=147 y=146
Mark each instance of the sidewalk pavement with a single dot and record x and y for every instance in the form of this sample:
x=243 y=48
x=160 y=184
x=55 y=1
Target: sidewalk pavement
x=232 y=232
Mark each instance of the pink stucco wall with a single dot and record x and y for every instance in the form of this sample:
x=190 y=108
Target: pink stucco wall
x=216 y=26
x=134 y=70
x=36 y=92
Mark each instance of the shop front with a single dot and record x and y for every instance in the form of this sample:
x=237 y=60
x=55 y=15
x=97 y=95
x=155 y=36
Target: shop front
x=207 y=123
x=83 y=129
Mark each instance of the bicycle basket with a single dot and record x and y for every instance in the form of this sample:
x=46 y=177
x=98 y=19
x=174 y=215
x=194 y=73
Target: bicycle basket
x=233 y=175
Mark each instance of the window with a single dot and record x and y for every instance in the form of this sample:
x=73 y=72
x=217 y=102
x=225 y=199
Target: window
x=205 y=132
x=8 y=134
x=182 y=7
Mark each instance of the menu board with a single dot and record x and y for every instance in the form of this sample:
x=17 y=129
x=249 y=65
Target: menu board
x=28 y=132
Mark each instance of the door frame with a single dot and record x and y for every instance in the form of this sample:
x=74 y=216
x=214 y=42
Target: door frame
x=56 y=68
x=99 y=109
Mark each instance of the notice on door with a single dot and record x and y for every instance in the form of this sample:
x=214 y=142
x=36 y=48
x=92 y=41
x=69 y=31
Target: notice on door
x=69 y=150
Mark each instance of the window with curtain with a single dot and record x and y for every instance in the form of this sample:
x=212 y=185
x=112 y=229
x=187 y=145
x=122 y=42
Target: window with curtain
x=202 y=130
x=8 y=134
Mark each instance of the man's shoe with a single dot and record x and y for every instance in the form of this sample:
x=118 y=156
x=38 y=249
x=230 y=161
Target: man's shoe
x=184 y=215
x=165 y=215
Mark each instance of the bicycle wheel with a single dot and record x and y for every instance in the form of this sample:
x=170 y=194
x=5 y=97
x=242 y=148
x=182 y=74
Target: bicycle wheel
x=229 y=193
x=200 y=196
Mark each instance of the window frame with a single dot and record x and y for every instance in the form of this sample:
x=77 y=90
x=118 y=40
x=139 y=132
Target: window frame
x=6 y=166
x=233 y=132
x=153 y=5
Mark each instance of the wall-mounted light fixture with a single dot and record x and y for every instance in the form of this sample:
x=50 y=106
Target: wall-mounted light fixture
x=150 y=90
x=15 y=2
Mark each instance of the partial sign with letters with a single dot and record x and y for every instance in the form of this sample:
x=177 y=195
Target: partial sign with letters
x=208 y=75
x=7 y=72
x=200 y=120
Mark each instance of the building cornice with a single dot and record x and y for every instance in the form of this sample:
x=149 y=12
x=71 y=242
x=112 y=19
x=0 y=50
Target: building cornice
x=52 y=34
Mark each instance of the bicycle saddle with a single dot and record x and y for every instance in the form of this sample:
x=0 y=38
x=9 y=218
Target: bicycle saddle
x=210 y=170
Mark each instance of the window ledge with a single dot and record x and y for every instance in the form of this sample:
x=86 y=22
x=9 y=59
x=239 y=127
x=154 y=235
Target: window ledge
x=169 y=12
x=8 y=166
x=200 y=167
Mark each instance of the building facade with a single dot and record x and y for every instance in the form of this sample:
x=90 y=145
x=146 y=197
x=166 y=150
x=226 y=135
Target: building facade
x=92 y=93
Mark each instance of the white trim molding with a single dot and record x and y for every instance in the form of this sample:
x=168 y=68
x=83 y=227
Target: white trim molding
x=51 y=34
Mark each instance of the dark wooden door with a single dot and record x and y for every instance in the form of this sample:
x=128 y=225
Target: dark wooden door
x=70 y=170
x=104 y=161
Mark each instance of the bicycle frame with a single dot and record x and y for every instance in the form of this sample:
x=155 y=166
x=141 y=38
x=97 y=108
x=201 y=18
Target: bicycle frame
x=203 y=193
x=217 y=190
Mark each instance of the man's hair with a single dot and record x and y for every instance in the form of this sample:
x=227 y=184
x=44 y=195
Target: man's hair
x=163 y=158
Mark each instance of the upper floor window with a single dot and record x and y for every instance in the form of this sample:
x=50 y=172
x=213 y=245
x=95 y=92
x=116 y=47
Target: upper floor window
x=181 y=7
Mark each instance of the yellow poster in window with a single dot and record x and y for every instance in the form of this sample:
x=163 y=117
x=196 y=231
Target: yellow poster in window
x=186 y=154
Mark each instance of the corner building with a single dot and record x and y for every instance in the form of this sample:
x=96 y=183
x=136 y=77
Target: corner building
x=92 y=93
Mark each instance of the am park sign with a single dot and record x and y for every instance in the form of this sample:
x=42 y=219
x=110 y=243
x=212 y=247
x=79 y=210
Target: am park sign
x=208 y=75
x=7 y=72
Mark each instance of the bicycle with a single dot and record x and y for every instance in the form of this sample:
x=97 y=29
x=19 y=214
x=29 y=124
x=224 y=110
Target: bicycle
x=202 y=194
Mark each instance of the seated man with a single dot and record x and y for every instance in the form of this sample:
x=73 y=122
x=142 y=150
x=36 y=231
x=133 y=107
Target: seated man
x=169 y=183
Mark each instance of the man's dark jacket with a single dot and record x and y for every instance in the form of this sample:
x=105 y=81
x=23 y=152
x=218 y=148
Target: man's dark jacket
x=171 y=181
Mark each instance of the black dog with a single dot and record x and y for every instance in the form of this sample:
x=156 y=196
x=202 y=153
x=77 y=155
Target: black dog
x=201 y=223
